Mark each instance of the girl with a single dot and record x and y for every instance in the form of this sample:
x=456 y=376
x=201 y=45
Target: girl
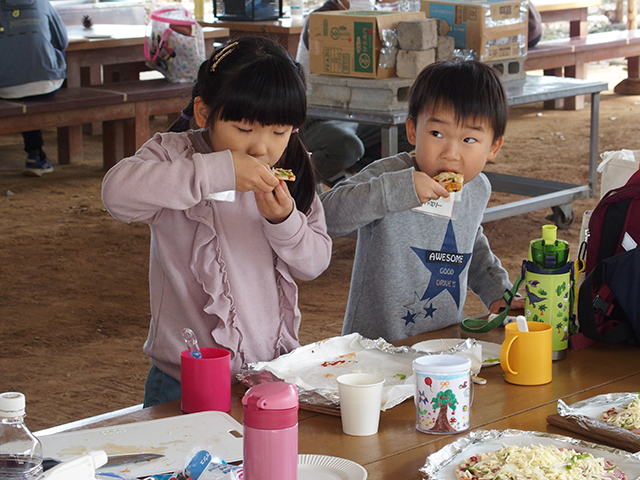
x=227 y=237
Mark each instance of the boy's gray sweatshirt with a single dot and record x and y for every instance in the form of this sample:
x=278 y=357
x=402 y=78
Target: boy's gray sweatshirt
x=411 y=270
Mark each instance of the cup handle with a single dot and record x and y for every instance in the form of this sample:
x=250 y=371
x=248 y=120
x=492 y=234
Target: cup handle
x=473 y=391
x=504 y=355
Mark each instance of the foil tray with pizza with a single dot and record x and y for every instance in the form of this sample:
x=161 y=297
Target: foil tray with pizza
x=515 y=454
x=612 y=418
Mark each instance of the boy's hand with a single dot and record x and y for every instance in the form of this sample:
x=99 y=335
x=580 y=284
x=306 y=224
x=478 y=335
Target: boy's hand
x=253 y=174
x=275 y=206
x=427 y=188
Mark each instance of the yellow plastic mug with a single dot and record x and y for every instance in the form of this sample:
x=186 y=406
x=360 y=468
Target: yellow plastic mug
x=525 y=357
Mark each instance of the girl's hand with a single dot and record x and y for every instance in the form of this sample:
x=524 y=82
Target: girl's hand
x=427 y=188
x=275 y=206
x=253 y=174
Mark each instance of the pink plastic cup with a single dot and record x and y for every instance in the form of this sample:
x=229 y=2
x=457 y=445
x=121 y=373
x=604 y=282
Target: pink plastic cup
x=206 y=381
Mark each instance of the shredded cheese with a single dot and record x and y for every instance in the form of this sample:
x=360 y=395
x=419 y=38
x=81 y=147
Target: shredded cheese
x=625 y=416
x=535 y=463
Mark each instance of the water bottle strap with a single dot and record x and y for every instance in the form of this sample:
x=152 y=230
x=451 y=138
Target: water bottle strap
x=476 y=325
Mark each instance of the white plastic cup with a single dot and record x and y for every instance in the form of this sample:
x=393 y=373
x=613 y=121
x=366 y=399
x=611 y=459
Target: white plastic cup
x=443 y=393
x=360 y=402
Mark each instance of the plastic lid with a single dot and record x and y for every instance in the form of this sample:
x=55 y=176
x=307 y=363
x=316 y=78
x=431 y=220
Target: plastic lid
x=271 y=396
x=12 y=404
x=442 y=364
x=271 y=406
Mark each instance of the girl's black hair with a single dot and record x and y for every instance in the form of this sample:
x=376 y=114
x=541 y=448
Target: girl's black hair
x=470 y=88
x=256 y=80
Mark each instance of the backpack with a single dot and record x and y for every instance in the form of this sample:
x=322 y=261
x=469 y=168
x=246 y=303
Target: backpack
x=609 y=296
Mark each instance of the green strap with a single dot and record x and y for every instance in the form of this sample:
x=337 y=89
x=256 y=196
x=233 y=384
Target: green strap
x=475 y=325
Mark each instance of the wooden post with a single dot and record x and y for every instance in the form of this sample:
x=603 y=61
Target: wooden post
x=631 y=84
x=632 y=15
x=619 y=15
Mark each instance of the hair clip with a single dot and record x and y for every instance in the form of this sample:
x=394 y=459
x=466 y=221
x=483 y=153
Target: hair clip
x=222 y=53
x=295 y=130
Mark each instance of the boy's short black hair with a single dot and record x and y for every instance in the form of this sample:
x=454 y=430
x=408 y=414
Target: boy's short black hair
x=470 y=88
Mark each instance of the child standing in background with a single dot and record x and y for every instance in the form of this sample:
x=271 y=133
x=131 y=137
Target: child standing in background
x=412 y=269
x=225 y=268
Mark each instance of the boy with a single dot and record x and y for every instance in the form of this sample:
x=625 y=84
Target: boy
x=412 y=269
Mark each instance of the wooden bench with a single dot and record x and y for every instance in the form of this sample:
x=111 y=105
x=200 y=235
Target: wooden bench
x=123 y=108
x=569 y=57
x=123 y=136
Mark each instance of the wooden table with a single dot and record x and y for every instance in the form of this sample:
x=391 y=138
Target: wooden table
x=104 y=46
x=398 y=450
x=573 y=11
x=285 y=31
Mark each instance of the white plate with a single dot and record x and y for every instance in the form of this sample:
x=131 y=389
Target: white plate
x=323 y=467
x=490 y=351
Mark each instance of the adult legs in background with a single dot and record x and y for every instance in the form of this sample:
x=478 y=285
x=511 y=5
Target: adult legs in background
x=334 y=147
x=33 y=141
x=37 y=161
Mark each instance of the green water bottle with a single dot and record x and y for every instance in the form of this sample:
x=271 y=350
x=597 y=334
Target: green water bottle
x=548 y=252
x=548 y=287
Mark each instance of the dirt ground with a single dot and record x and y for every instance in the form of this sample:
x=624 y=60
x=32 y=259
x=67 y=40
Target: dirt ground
x=74 y=307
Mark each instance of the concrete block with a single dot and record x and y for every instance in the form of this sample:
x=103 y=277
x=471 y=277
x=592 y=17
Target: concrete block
x=420 y=34
x=410 y=62
x=509 y=69
x=446 y=46
x=385 y=94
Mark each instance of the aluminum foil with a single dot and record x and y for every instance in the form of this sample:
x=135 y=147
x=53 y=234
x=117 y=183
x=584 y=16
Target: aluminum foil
x=520 y=17
x=261 y=372
x=587 y=415
x=438 y=464
x=389 y=49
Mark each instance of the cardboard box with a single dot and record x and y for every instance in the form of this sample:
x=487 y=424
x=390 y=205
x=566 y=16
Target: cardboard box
x=494 y=29
x=348 y=43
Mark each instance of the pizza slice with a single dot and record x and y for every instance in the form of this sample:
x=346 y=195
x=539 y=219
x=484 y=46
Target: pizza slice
x=626 y=416
x=451 y=181
x=284 y=174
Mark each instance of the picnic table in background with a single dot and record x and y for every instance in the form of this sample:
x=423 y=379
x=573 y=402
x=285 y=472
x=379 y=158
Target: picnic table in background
x=284 y=30
x=573 y=11
x=569 y=57
x=107 y=53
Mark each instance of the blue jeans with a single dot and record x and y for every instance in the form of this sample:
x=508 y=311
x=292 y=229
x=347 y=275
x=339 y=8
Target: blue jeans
x=160 y=388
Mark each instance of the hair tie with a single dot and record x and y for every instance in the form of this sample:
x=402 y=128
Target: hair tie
x=185 y=116
x=222 y=53
x=295 y=130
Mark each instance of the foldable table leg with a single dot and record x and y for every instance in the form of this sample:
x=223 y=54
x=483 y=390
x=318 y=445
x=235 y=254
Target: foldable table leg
x=389 y=140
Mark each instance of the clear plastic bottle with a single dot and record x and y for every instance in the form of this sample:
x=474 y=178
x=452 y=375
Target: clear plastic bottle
x=20 y=451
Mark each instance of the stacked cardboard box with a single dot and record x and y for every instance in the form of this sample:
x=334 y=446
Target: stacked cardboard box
x=348 y=43
x=494 y=30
